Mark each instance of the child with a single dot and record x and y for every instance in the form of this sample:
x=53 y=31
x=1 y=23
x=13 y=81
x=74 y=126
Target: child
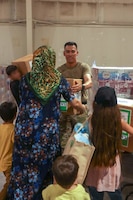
x=65 y=170
x=8 y=112
x=15 y=76
x=106 y=127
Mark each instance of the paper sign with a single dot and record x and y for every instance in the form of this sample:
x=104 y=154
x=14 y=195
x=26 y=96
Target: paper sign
x=126 y=116
x=125 y=139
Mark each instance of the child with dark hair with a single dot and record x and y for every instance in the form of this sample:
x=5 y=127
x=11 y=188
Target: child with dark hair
x=106 y=129
x=15 y=76
x=65 y=171
x=8 y=112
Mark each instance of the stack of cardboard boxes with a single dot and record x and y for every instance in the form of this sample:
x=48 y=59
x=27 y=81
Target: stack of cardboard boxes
x=121 y=79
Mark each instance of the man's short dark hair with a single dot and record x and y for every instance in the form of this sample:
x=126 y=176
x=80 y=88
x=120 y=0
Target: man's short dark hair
x=65 y=170
x=8 y=111
x=70 y=44
x=10 y=69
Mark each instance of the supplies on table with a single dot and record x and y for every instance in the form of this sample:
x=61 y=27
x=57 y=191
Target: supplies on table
x=119 y=78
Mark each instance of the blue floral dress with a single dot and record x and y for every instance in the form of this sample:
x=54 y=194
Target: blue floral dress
x=36 y=142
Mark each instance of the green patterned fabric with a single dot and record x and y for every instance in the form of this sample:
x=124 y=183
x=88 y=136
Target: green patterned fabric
x=44 y=78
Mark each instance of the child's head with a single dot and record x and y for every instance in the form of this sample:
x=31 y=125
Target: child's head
x=65 y=170
x=13 y=72
x=106 y=97
x=8 y=111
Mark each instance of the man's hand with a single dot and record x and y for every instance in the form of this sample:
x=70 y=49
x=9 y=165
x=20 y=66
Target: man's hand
x=76 y=88
x=79 y=112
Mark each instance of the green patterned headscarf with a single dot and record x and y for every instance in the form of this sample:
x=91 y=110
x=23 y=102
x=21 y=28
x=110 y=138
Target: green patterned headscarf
x=44 y=78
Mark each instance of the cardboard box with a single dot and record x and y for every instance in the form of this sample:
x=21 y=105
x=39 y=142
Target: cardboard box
x=120 y=78
x=126 y=108
x=73 y=81
x=64 y=105
x=24 y=64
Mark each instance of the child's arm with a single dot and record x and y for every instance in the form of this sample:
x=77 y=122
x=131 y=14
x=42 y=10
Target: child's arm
x=126 y=127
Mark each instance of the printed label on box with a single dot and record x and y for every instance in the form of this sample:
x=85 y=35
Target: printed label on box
x=126 y=116
x=125 y=139
x=63 y=104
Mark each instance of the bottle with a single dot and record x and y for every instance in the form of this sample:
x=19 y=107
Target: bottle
x=94 y=64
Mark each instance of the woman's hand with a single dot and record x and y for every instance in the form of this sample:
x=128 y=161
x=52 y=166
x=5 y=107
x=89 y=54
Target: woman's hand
x=81 y=108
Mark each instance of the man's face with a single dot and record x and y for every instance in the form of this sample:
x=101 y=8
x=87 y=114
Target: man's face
x=71 y=52
x=16 y=75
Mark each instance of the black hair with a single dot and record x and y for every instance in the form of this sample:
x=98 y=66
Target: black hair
x=8 y=111
x=10 y=69
x=65 y=170
x=71 y=44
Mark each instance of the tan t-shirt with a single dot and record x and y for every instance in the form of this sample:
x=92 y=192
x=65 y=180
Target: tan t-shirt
x=56 y=192
x=76 y=72
x=6 y=146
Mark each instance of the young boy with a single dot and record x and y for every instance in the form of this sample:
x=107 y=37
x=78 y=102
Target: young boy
x=15 y=76
x=65 y=187
x=8 y=112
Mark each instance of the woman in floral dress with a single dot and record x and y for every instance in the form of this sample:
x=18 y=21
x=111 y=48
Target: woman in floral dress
x=37 y=128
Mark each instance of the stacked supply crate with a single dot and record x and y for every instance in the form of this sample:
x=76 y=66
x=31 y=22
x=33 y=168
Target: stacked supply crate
x=121 y=79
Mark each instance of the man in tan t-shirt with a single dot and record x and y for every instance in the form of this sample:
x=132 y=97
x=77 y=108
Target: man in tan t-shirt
x=77 y=70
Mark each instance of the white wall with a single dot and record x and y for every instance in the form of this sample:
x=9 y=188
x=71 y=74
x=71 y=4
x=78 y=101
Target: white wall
x=12 y=43
x=109 y=46
x=107 y=36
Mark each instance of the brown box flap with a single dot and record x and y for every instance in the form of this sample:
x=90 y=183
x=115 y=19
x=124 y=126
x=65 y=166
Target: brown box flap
x=24 y=63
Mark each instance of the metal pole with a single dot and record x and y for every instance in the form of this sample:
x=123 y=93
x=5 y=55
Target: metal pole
x=29 y=26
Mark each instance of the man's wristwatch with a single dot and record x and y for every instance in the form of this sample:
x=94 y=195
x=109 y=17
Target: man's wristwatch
x=83 y=87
